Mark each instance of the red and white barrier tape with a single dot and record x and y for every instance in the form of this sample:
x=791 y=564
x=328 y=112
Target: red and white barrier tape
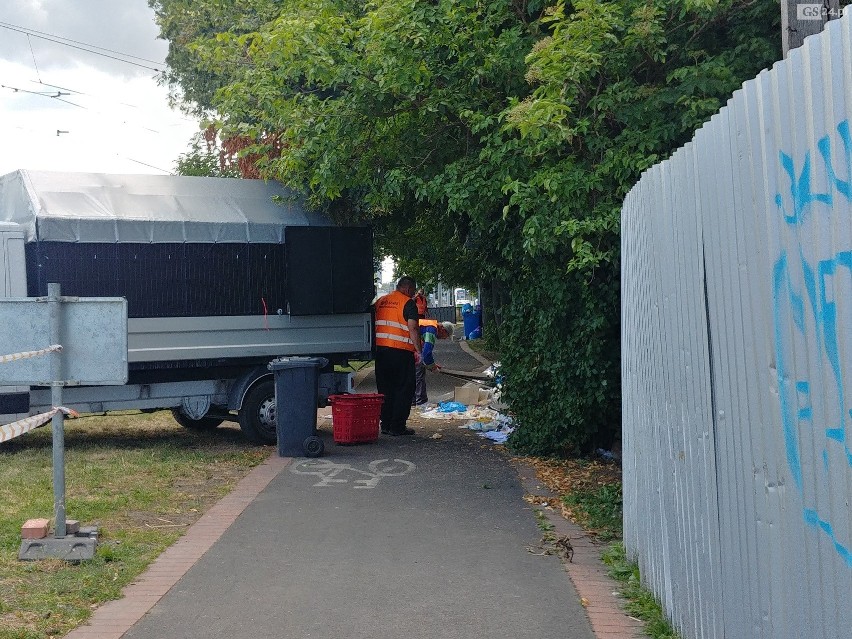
x=15 y=429
x=55 y=348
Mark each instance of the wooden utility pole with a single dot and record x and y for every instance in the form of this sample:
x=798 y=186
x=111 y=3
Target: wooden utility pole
x=801 y=19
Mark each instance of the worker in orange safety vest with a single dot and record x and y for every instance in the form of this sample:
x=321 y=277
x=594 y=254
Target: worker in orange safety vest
x=422 y=304
x=398 y=347
x=430 y=330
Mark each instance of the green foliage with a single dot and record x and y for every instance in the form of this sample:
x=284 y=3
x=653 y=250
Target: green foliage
x=543 y=522
x=485 y=141
x=599 y=511
x=617 y=87
x=204 y=160
x=640 y=603
x=182 y=22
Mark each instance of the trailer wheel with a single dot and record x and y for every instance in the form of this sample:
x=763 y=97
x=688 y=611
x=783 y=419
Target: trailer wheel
x=203 y=424
x=313 y=446
x=257 y=415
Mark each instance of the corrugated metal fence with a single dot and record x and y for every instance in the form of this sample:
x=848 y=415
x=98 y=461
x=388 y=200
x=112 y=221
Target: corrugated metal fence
x=737 y=359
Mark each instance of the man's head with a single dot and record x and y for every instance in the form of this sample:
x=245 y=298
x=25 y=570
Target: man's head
x=445 y=330
x=406 y=285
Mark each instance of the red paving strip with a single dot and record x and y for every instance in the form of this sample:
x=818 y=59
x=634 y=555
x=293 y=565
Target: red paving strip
x=114 y=618
x=598 y=592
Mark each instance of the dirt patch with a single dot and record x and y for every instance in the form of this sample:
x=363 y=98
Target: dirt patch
x=573 y=475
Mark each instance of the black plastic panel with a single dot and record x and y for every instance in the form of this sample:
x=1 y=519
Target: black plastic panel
x=320 y=271
x=14 y=403
x=352 y=269
x=164 y=280
x=330 y=270
x=309 y=288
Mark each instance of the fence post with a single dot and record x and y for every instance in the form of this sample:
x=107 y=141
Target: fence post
x=58 y=424
x=796 y=26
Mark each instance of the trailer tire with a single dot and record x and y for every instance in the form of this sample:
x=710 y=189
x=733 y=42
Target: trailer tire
x=203 y=424
x=257 y=415
x=313 y=446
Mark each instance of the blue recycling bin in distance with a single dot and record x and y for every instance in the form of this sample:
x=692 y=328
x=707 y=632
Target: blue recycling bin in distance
x=296 y=389
x=472 y=318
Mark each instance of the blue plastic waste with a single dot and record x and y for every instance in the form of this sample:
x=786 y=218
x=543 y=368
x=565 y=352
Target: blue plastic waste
x=605 y=454
x=472 y=319
x=451 y=407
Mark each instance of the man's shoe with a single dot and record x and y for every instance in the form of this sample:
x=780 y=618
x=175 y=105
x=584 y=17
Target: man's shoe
x=398 y=433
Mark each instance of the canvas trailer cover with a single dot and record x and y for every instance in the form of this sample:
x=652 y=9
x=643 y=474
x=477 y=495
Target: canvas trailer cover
x=216 y=271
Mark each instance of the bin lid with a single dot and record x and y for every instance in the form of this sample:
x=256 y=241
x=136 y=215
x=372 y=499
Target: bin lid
x=297 y=362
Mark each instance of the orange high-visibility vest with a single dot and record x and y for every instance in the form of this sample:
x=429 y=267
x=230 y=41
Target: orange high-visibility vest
x=391 y=326
x=421 y=305
x=429 y=322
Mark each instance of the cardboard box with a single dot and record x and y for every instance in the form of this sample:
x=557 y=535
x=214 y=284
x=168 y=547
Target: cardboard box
x=471 y=395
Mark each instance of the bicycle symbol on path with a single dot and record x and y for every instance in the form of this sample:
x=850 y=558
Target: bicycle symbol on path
x=330 y=473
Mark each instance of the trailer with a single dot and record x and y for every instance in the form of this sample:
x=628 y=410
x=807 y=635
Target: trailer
x=221 y=276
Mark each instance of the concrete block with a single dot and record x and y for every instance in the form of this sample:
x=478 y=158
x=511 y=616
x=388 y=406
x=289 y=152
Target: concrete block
x=74 y=549
x=71 y=526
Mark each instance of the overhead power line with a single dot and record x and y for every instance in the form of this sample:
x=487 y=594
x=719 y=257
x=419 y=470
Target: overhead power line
x=83 y=46
x=45 y=94
x=35 y=64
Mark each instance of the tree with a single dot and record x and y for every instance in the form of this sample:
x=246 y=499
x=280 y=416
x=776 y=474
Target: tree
x=207 y=158
x=184 y=22
x=617 y=87
x=485 y=140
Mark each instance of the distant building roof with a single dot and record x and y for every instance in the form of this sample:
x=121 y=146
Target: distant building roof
x=97 y=207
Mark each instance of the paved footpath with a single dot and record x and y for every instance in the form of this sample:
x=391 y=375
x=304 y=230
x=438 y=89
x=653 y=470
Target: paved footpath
x=416 y=537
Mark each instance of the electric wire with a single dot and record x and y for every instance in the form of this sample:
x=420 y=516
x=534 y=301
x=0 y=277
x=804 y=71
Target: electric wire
x=149 y=165
x=45 y=35
x=88 y=48
x=51 y=94
x=35 y=64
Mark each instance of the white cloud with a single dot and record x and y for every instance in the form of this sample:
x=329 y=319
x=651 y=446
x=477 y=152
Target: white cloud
x=112 y=117
x=126 y=26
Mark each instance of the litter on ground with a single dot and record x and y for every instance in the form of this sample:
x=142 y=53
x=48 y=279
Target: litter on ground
x=487 y=422
x=497 y=428
x=466 y=413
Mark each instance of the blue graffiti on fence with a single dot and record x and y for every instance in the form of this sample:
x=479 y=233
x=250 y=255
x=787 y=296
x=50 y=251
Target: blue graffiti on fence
x=806 y=328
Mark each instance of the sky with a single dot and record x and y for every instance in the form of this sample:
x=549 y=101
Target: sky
x=66 y=109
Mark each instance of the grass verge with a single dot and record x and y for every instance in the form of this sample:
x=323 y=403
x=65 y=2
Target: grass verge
x=640 y=603
x=140 y=478
x=353 y=366
x=485 y=347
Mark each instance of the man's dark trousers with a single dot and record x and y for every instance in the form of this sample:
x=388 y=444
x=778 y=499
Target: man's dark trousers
x=395 y=380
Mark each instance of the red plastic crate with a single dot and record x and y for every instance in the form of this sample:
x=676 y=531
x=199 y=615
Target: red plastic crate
x=355 y=418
